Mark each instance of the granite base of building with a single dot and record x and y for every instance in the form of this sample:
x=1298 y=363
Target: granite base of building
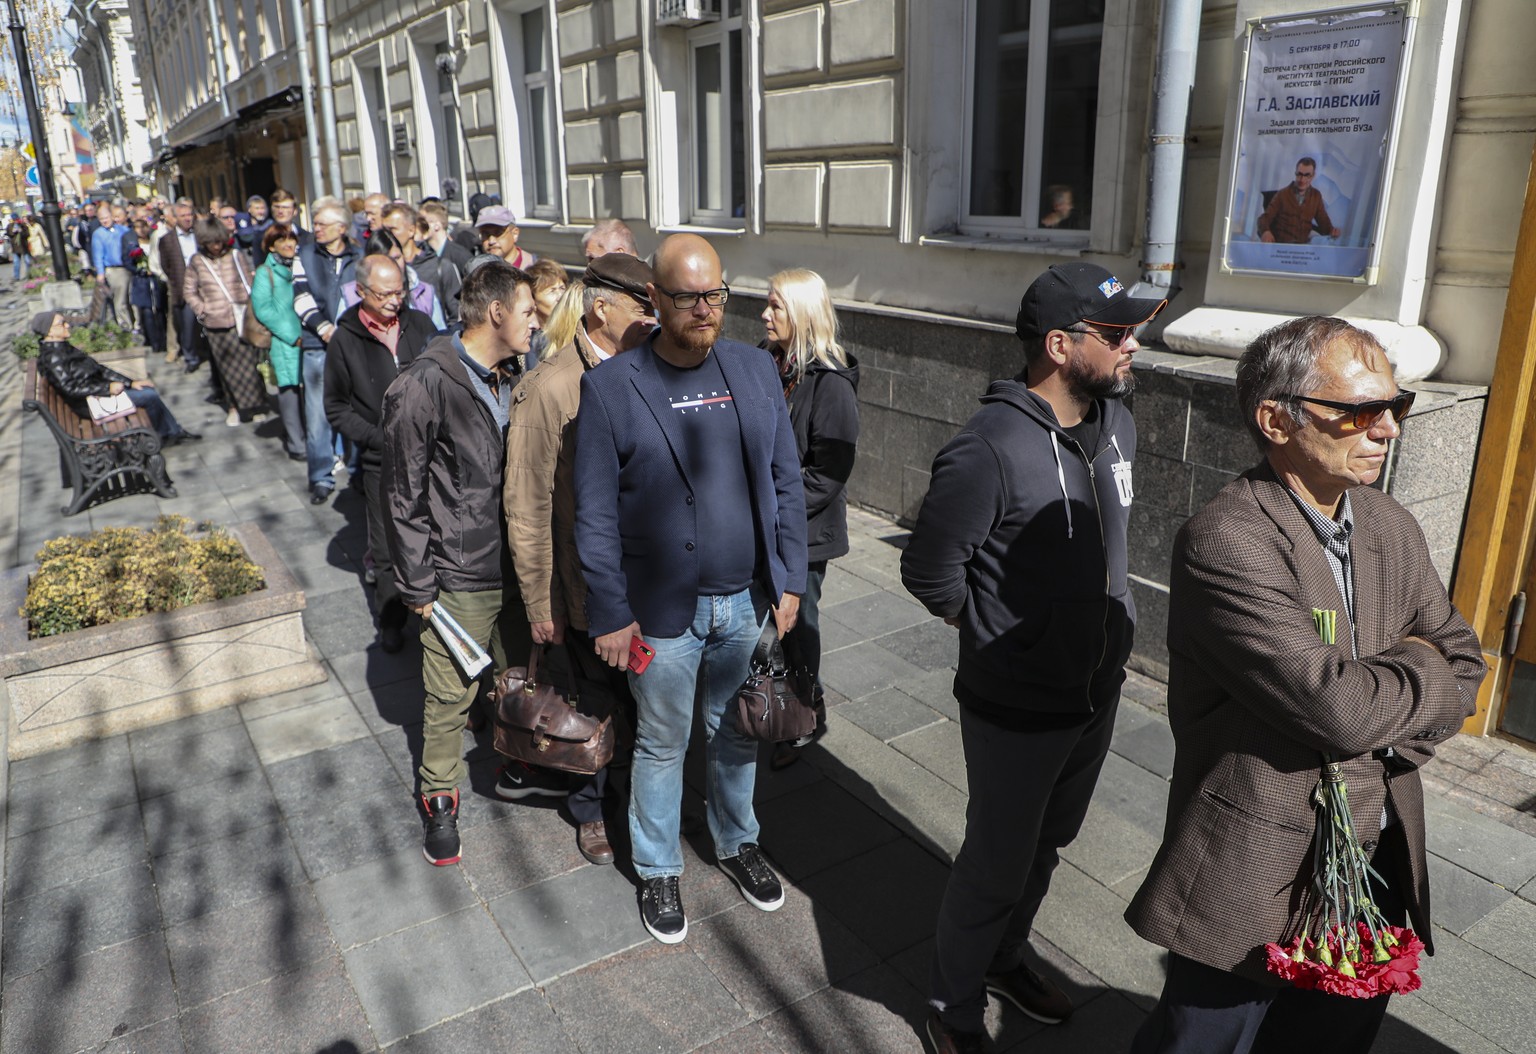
x=921 y=376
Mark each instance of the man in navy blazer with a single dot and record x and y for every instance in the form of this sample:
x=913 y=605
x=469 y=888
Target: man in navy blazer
x=690 y=525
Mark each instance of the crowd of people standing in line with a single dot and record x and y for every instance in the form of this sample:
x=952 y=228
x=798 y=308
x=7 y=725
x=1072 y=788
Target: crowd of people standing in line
x=568 y=463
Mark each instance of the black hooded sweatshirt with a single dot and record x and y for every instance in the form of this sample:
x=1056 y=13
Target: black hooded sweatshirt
x=1022 y=540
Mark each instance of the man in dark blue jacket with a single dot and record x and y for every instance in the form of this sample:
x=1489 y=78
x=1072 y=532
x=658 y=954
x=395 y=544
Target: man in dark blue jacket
x=1021 y=543
x=319 y=271
x=690 y=525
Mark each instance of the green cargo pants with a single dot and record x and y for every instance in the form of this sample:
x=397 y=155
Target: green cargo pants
x=497 y=619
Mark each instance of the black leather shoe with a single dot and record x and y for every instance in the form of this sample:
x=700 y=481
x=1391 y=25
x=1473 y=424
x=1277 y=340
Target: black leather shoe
x=189 y=437
x=319 y=495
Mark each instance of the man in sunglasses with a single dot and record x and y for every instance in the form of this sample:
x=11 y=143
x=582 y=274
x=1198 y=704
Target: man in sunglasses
x=1021 y=544
x=690 y=526
x=1305 y=619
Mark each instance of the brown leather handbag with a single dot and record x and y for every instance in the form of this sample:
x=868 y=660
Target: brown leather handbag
x=773 y=704
x=536 y=725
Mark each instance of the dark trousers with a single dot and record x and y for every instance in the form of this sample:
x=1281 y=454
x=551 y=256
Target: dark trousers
x=602 y=691
x=1029 y=793
x=1204 y=1010
x=391 y=610
x=187 y=333
x=148 y=400
x=804 y=641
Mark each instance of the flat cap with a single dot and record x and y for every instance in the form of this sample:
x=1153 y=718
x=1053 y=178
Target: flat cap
x=620 y=271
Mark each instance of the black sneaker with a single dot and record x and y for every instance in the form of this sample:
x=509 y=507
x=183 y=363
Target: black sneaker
x=661 y=909
x=756 y=880
x=945 y=1040
x=1034 y=994
x=441 y=844
x=518 y=781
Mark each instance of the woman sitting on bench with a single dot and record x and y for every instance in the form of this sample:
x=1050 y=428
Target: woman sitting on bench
x=77 y=376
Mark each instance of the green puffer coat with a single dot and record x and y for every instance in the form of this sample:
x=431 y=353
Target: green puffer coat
x=272 y=299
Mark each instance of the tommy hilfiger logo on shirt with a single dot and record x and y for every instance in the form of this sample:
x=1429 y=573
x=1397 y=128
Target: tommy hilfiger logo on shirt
x=711 y=401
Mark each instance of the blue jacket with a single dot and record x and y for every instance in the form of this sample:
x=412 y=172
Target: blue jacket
x=636 y=521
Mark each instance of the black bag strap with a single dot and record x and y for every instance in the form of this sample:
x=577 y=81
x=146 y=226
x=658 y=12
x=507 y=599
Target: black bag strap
x=768 y=656
x=536 y=655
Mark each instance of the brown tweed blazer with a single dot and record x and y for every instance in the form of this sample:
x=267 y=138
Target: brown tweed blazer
x=1255 y=698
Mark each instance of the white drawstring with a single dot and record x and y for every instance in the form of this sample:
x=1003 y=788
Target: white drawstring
x=1117 y=446
x=1061 y=477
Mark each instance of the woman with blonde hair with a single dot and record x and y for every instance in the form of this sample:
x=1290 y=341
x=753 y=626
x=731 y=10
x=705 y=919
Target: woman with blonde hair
x=821 y=382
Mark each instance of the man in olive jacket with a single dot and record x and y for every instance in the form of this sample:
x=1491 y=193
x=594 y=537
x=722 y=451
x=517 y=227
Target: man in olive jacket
x=1257 y=696
x=445 y=424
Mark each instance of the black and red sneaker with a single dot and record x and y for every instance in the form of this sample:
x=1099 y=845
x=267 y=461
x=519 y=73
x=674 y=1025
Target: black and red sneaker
x=441 y=844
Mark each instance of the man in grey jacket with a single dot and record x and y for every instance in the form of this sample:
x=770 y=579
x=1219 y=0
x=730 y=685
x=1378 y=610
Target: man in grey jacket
x=1020 y=543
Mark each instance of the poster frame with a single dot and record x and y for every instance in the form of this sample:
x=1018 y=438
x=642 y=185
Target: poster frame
x=1370 y=276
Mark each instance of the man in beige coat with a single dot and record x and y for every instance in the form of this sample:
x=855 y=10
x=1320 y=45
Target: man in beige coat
x=1256 y=697
x=540 y=503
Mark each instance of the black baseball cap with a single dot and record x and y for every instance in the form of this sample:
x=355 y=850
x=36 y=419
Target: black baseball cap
x=1067 y=294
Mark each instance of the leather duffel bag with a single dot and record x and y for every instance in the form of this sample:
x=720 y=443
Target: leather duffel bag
x=538 y=726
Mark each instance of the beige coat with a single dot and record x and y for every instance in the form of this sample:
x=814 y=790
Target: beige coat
x=214 y=310
x=539 y=493
x=1255 y=698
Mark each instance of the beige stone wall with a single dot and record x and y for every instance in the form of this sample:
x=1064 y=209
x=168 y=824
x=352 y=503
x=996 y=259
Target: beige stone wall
x=832 y=84
x=603 y=90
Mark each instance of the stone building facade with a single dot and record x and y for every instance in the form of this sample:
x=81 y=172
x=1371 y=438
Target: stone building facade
x=898 y=148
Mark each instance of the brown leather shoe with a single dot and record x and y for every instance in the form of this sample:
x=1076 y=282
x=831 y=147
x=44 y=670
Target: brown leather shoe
x=945 y=1040
x=1037 y=996
x=592 y=841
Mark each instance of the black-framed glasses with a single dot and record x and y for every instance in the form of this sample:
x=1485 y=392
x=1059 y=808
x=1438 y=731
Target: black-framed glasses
x=1366 y=414
x=687 y=301
x=1112 y=336
x=1305 y=175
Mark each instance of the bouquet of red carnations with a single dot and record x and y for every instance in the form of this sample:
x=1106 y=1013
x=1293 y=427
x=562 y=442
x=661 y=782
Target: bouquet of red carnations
x=1346 y=946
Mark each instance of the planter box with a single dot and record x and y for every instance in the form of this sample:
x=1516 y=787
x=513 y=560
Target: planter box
x=130 y=362
x=105 y=680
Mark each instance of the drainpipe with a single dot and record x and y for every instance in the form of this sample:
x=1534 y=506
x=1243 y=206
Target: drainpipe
x=1177 y=41
x=300 y=48
x=220 y=70
x=327 y=96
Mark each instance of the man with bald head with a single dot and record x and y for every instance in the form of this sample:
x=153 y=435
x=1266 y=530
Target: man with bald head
x=374 y=340
x=690 y=526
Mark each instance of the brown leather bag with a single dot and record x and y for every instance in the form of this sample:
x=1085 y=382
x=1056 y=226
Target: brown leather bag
x=536 y=725
x=773 y=705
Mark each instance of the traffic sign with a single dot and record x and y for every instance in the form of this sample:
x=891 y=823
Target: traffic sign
x=32 y=178
x=27 y=149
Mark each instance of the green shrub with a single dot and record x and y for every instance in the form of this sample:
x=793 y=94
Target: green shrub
x=26 y=344
x=120 y=573
x=103 y=336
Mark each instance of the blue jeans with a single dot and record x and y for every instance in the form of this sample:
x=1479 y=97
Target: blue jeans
x=317 y=429
x=705 y=665
x=20 y=264
x=148 y=400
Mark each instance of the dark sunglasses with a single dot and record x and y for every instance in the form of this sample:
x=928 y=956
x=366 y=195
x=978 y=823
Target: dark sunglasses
x=1368 y=413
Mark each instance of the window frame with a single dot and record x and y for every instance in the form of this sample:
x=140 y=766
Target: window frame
x=374 y=153
x=510 y=87
x=733 y=91
x=971 y=224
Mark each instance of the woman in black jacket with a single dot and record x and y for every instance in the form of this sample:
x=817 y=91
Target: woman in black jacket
x=821 y=384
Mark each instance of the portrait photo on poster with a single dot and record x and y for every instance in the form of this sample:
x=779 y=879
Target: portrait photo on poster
x=1316 y=129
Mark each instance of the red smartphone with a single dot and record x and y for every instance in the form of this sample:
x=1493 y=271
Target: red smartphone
x=640 y=655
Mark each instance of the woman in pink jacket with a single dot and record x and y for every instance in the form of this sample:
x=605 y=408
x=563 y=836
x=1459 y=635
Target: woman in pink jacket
x=217 y=287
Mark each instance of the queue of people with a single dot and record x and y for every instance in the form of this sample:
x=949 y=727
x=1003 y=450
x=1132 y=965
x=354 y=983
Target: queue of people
x=567 y=464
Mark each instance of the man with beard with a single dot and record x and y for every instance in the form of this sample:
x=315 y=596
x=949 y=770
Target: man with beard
x=1021 y=544
x=690 y=526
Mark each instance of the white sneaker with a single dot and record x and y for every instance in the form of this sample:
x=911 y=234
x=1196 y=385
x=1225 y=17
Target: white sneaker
x=232 y=419
x=338 y=466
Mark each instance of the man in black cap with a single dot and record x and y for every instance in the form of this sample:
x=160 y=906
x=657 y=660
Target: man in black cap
x=539 y=497
x=1021 y=544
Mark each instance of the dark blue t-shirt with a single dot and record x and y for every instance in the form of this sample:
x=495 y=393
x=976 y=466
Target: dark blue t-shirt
x=712 y=457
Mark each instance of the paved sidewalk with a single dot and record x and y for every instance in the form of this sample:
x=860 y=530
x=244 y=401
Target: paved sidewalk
x=251 y=879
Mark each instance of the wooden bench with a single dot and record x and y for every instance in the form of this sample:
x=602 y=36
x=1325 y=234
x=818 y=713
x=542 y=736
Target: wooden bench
x=97 y=457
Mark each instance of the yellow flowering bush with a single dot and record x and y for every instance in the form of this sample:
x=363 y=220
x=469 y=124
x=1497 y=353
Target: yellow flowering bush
x=120 y=573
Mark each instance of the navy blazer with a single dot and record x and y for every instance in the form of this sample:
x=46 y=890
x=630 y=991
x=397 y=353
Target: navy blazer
x=636 y=522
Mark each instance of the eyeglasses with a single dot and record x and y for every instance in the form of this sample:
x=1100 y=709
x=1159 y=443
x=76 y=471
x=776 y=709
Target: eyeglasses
x=1366 y=414
x=686 y=301
x=392 y=294
x=1305 y=175
x=1112 y=336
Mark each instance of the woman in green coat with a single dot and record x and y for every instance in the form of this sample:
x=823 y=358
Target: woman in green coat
x=272 y=300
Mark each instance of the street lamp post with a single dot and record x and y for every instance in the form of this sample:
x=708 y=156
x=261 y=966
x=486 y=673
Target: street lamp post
x=50 y=210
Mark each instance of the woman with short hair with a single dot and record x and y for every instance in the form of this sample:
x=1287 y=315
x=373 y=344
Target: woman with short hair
x=272 y=301
x=821 y=382
x=217 y=286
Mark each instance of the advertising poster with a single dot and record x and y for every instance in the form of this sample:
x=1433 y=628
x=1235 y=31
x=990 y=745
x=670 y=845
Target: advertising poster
x=1313 y=141
x=85 y=151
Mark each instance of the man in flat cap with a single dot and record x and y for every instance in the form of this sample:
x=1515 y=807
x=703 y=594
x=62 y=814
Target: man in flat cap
x=1021 y=544
x=539 y=497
